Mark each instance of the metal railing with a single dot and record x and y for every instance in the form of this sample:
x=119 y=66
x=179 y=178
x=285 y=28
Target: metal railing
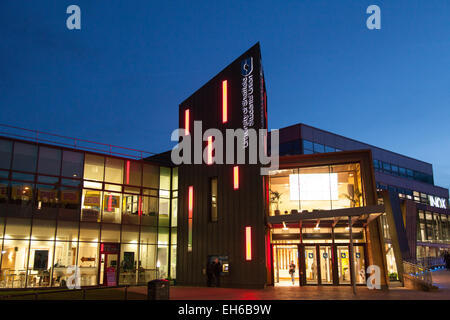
x=418 y=272
x=429 y=262
x=69 y=142
x=79 y=294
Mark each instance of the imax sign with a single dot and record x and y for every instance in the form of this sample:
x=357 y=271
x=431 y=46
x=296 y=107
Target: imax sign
x=438 y=202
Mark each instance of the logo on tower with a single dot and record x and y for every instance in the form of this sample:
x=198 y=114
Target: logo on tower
x=247 y=66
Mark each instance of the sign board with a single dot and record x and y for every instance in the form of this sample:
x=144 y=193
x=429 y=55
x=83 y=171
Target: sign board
x=437 y=202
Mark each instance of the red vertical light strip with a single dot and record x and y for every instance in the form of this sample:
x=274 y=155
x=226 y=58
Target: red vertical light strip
x=236 y=177
x=191 y=201
x=248 y=243
x=190 y=210
x=210 y=148
x=102 y=247
x=268 y=253
x=140 y=206
x=109 y=203
x=224 y=101
x=186 y=121
x=128 y=172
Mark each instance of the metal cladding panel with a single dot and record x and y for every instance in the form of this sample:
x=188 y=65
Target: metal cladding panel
x=236 y=208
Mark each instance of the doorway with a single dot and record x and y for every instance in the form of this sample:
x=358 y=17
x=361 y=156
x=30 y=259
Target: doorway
x=312 y=276
x=109 y=257
x=284 y=256
x=318 y=264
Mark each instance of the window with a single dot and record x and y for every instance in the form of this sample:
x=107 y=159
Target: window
x=164 y=178
x=329 y=149
x=5 y=154
x=394 y=170
x=151 y=176
x=111 y=207
x=319 y=148
x=308 y=145
x=132 y=173
x=376 y=165
x=386 y=167
x=91 y=205
x=94 y=167
x=47 y=201
x=409 y=173
x=72 y=164
x=315 y=188
x=25 y=156
x=49 y=161
x=114 y=170
x=213 y=199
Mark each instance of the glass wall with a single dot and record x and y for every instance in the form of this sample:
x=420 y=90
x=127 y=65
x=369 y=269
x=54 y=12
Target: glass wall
x=315 y=188
x=432 y=227
x=59 y=208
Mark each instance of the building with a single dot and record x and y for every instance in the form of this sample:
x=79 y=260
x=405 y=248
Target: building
x=336 y=208
x=425 y=206
x=114 y=217
x=256 y=225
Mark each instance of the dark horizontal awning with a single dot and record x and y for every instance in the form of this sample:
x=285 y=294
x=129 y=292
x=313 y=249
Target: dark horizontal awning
x=360 y=216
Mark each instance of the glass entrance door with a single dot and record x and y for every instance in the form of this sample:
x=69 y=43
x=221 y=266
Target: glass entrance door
x=343 y=264
x=326 y=265
x=360 y=271
x=284 y=257
x=311 y=265
x=108 y=269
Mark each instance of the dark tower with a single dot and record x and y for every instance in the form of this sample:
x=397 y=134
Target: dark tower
x=234 y=98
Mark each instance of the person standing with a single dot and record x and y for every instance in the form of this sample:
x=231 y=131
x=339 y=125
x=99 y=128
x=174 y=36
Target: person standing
x=217 y=269
x=292 y=271
x=210 y=273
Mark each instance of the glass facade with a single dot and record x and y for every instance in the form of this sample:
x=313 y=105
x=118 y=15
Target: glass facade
x=113 y=218
x=310 y=147
x=315 y=188
x=432 y=227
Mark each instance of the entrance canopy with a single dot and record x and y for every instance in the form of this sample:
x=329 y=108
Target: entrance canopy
x=360 y=217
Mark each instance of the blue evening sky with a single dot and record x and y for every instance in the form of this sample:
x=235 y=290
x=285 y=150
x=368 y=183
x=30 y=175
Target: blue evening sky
x=120 y=78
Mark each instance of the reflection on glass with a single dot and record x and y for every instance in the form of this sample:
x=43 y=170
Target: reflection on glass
x=49 y=161
x=25 y=156
x=72 y=164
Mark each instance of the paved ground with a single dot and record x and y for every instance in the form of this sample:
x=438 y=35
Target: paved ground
x=440 y=278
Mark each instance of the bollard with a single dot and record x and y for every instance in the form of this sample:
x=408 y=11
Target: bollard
x=126 y=292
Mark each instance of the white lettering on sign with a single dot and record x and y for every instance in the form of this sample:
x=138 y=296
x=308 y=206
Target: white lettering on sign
x=437 y=202
x=247 y=98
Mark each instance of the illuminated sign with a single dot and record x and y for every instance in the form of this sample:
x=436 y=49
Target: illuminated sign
x=247 y=97
x=313 y=186
x=438 y=202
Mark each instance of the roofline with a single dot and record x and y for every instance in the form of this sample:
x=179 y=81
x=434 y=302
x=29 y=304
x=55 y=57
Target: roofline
x=370 y=145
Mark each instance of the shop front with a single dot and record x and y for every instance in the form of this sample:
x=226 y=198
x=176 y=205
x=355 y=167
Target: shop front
x=323 y=220
x=325 y=261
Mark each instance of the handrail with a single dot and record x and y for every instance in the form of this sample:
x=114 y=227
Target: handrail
x=76 y=143
x=418 y=272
